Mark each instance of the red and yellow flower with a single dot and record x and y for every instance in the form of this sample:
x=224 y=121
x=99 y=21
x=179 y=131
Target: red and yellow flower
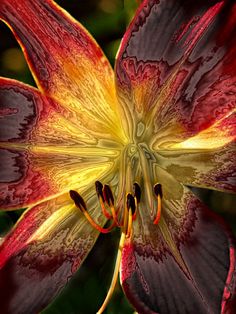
x=163 y=121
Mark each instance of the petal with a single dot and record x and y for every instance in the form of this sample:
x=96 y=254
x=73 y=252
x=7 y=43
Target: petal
x=206 y=168
x=176 y=68
x=42 y=150
x=66 y=62
x=222 y=132
x=42 y=252
x=206 y=160
x=185 y=264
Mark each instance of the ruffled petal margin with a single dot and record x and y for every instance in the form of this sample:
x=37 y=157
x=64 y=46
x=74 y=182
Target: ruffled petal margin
x=42 y=151
x=186 y=263
x=42 y=252
x=175 y=69
x=66 y=62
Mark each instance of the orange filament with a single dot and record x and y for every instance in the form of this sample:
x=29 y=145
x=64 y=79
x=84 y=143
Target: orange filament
x=106 y=199
x=114 y=215
x=105 y=196
x=104 y=211
x=79 y=202
x=158 y=193
x=158 y=215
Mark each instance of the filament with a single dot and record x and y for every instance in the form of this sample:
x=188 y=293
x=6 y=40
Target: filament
x=125 y=221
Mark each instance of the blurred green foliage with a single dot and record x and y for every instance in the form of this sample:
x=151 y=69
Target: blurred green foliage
x=106 y=20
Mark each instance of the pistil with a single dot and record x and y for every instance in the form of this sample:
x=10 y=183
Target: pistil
x=125 y=234
x=125 y=222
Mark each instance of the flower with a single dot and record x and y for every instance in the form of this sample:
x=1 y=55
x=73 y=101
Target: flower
x=164 y=121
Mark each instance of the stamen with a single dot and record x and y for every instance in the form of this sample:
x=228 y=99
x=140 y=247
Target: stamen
x=99 y=190
x=80 y=203
x=99 y=187
x=158 y=193
x=108 y=196
x=109 y=199
x=105 y=197
x=106 y=200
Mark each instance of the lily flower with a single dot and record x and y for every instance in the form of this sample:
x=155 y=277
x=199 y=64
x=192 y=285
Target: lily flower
x=90 y=150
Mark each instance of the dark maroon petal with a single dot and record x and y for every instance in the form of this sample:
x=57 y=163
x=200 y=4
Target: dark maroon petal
x=186 y=263
x=42 y=252
x=176 y=66
x=155 y=283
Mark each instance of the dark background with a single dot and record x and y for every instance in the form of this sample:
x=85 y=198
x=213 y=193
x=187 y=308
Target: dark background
x=106 y=20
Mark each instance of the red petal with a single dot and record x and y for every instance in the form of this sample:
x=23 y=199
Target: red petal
x=42 y=152
x=65 y=60
x=185 y=264
x=176 y=66
x=43 y=251
x=155 y=283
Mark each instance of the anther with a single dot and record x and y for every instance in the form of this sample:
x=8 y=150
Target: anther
x=158 y=189
x=159 y=195
x=130 y=203
x=137 y=192
x=78 y=200
x=108 y=196
x=109 y=199
x=80 y=203
x=99 y=190
x=99 y=187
